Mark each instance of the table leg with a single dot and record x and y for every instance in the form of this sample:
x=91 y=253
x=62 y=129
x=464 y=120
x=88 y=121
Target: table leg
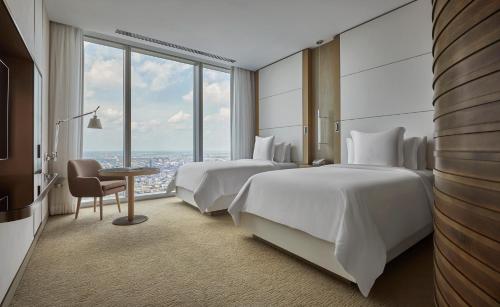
x=130 y=219
x=131 y=197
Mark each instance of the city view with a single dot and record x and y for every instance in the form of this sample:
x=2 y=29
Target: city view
x=167 y=161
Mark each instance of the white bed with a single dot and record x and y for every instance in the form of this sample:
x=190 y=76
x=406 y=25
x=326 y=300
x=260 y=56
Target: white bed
x=212 y=186
x=348 y=219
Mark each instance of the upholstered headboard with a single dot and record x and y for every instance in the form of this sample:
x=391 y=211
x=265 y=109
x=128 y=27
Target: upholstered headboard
x=386 y=74
x=280 y=103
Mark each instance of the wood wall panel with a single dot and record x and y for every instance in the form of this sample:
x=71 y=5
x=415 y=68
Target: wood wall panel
x=466 y=68
x=326 y=98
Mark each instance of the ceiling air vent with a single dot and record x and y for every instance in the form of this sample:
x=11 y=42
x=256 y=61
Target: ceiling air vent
x=172 y=45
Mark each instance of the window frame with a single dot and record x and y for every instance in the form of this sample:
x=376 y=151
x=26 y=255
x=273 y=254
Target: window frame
x=198 y=66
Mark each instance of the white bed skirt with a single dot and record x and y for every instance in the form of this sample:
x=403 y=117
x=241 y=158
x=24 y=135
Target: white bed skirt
x=222 y=203
x=314 y=250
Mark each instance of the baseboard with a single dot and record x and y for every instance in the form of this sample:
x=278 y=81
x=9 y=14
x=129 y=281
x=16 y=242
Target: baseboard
x=20 y=272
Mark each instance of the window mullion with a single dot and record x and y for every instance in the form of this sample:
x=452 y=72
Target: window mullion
x=127 y=116
x=198 y=112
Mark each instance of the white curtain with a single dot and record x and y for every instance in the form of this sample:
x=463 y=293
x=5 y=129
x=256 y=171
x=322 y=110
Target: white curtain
x=65 y=100
x=242 y=114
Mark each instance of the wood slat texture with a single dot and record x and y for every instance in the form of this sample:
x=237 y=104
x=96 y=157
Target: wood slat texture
x=466 y=68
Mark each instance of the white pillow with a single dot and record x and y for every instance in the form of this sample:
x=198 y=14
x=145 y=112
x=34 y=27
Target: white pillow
x=280 y=152
x=422 y=154
x=350 y=150
x=288 y=153
x=379 y=148
x=263 y=149
x=411 y=147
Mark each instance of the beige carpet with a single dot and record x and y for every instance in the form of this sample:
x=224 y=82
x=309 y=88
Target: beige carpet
x=180 y=257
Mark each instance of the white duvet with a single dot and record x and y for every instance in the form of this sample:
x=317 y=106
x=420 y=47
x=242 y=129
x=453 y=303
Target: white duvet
x=364 y=210
x=210 y=180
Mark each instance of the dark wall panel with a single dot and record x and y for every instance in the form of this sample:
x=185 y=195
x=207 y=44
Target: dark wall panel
x=466 y=85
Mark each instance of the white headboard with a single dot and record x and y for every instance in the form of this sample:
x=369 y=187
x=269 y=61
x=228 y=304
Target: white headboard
x=280 y=103
x=386 y=74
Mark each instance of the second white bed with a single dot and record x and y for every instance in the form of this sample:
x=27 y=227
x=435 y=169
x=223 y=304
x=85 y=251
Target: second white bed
x=358 y=216
x=212 y=186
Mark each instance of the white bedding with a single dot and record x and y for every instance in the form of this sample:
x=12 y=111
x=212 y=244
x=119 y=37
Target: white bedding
x=364 y=210
x=210 y=180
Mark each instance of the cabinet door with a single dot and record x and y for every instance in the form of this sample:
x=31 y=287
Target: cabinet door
x=23 y=12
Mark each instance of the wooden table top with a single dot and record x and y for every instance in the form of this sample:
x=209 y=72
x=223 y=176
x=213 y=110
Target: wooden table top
x=129 y=171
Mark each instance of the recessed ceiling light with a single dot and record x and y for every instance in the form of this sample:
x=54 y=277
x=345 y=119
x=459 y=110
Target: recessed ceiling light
x=319 y=42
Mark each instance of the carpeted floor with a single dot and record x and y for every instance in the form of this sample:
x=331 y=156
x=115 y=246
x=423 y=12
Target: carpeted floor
x=180 y=257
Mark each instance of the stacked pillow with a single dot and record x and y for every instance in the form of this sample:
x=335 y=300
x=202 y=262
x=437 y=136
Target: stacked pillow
x=387 y=148
x=282 y=152
x=379 y=148
x=264 y=148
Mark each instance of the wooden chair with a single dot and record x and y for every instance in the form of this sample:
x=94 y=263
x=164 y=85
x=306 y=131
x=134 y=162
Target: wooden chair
x=84 y=181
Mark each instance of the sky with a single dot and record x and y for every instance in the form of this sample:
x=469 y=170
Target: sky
x=162 y=103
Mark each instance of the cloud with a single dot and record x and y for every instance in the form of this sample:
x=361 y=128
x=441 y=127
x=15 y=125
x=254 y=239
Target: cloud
x=188 y=97
x=218 y=93
x=104 y=74
x=223 y=115
x=179 y=117
x=145 y=126
x=161 y=73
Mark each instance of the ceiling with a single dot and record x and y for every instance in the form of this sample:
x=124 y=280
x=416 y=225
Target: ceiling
x=253 y=32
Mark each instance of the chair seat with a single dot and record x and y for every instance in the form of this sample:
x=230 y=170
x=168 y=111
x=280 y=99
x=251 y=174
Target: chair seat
x=112 y=184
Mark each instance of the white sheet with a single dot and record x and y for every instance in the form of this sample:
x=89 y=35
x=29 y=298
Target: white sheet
x=364 y=210
x=210 y=180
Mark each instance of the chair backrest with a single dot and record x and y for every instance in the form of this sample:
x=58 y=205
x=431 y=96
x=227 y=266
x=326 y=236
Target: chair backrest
x=81 y=168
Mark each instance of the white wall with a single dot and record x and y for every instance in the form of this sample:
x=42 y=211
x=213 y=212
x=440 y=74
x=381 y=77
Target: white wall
x=16 y=237
x=386 y=73
x=280 y=103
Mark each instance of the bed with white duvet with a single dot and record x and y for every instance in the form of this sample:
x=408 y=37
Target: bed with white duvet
x=211 y=186
x=349 y=219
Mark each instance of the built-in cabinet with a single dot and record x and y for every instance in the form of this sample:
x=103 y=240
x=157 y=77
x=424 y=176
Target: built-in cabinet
x=26 y=50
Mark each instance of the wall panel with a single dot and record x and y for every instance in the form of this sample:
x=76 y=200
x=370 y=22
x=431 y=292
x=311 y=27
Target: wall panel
x=287 y=105
x=281 y=77
x=282 y=108
x=373 y=92
x=467 y=129
x=398 y=35
x=386 y=74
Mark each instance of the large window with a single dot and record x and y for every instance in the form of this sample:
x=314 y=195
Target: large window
x=151 y=106
x=162 y=118
x=103 y=86
x=216 y=115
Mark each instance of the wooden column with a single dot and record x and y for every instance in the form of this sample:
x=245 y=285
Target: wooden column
x=467 y=149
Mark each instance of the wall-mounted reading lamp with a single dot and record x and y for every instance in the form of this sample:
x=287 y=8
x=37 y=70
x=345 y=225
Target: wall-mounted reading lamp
x=94 y=123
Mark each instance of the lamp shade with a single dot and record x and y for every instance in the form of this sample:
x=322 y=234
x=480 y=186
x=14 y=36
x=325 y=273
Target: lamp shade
x=94 y=123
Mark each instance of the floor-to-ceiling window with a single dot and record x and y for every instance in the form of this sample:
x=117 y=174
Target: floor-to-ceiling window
x=154 y=112
x=216 y=114
x=103 y=86
x=162 y=118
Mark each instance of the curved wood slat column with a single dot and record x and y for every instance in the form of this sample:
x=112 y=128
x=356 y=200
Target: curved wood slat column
x=466 y=86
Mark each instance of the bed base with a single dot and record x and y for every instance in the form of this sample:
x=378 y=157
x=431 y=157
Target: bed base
x=218 y=207
x=311 y=249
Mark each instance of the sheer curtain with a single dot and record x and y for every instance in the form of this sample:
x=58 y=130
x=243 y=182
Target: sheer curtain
x=242 y=114
x=65 y=100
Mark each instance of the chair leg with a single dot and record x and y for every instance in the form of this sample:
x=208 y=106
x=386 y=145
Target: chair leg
x=78 y=207
x=118 y=202
x=95 y=201
x=100 y=206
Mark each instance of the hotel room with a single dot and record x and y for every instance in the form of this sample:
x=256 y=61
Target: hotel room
x=250 y=153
